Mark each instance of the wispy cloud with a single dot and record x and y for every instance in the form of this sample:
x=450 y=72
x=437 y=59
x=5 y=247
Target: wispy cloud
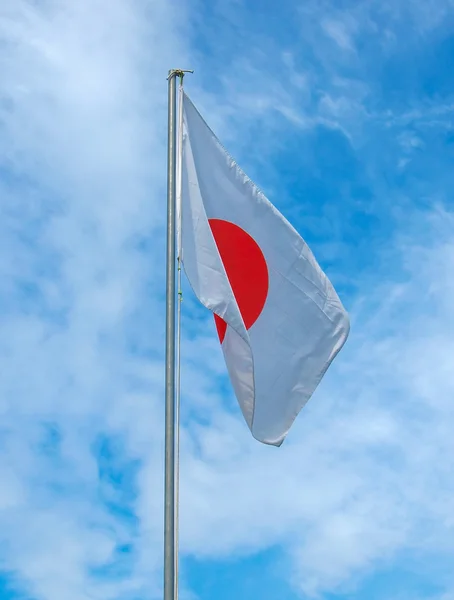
x=83 y=147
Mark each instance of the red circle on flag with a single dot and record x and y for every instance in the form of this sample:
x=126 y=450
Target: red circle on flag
x=246 y=269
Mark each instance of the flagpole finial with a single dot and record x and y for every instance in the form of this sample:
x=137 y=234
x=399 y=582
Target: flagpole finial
x=179 y=73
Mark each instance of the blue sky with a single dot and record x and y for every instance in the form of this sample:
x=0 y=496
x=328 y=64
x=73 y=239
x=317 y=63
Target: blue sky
x=342 y=113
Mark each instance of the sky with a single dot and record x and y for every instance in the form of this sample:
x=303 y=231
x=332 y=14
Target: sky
x=341 y=111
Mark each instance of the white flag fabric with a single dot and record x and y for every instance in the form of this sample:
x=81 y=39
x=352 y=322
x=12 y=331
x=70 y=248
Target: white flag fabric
x=279 y=319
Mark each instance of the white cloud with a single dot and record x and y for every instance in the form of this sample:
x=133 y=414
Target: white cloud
x=340 y=32
x=83 y=124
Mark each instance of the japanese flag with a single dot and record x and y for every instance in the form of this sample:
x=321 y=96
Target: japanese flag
x=279 y=319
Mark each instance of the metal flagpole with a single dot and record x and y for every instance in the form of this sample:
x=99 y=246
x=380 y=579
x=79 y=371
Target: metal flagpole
x=169 y=451
x=170 y=524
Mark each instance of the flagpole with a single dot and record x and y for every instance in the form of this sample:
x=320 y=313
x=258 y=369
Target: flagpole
x=170 y=524
x=169 y=450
